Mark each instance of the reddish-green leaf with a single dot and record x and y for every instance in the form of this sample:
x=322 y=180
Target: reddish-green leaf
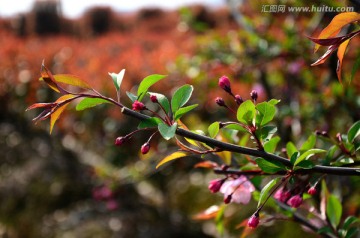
x=57 y=112
x=47 y=76
x=173 y=156
x=340 y=55
x=71 y=80
x=337 y=23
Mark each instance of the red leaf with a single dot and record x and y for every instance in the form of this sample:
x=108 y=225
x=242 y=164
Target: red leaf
x=49 y=78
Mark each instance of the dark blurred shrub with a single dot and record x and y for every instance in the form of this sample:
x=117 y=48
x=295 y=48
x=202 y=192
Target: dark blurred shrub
x=99 y=20
x=46 y=17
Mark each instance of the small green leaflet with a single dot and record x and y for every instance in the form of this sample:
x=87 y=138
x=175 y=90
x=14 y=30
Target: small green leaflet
x=308 y=154
x=89 y=102
x=132 y=97
x=181 y=97
x=270 y=146
x=309 y=143
x=354 y=132
x=173 y=156
x=182 y=111
x=166 y=131
x=266 y=113
x=266 y=190
x=149 y=122
x=274 y=101
x=146 y=83
x=290 y=148
x=333 y=210
x=246 y=112
x=117 y=79
x=213 y=129
x=269 y=167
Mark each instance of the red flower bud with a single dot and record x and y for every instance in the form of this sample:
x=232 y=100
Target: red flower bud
x=227 y=199
x=238 y=99
x=295 y=201
x=138 y=106
x=219 y=101
x=312 y=191
x=120 y=140
x=254 y=95
x=145 y=148
x=224 y=83
x=253 y=221
x=153 y=98
x=282 y=195
x=215 y=185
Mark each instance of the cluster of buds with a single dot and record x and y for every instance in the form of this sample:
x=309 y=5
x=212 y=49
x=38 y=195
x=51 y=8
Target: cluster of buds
x=224 y=83
x=286 y=196
x=105 y=194
x=145 y=148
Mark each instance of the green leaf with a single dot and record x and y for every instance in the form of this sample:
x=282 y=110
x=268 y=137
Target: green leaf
x=324 y=230
x=246 y=112
x=294 y=157
x=349 y=221
x=117 y=78
x=164 y=102
x=219 y=220
x=274 y=101
x=309 y=143
x=235 y=127
x=308 y=154
x=181 y=97
x=213 y=129
x=146 y=83
x=333 y=210
x=267 y=132
x=351 y=232
x=270 y=146
x=149 y=122
x=179 y=113
x=305 y=164
x=355 y=68
x=173 y=156
x=266 y=190
x=354 y=132
x=290 y=149
x=269 y=167
x=166 y=131
x=89 y=102
x=266 y=113
x=132 y=96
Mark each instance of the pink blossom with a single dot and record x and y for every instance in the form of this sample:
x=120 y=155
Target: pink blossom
x=112 y=205
x=295 y=201
x=239 y=190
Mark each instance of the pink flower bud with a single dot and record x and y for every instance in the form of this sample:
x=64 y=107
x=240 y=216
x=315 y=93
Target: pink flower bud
x=253 y=221
x=295 y=201
x=145 y=148
x=254 y=95
x=224 y=83
x=282 y=195
x=138 y=106
x=120 y=140
x=219 y=101
x=153 y=98
x=112 y=205
x=215 y=185
x=312 y=191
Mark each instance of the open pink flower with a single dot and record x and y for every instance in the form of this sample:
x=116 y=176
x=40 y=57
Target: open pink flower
x=239 y=190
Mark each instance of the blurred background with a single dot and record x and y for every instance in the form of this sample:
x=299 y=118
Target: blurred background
x=76 y=183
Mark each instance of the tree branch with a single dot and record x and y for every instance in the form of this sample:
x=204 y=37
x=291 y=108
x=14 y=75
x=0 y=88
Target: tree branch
x=249 y=151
